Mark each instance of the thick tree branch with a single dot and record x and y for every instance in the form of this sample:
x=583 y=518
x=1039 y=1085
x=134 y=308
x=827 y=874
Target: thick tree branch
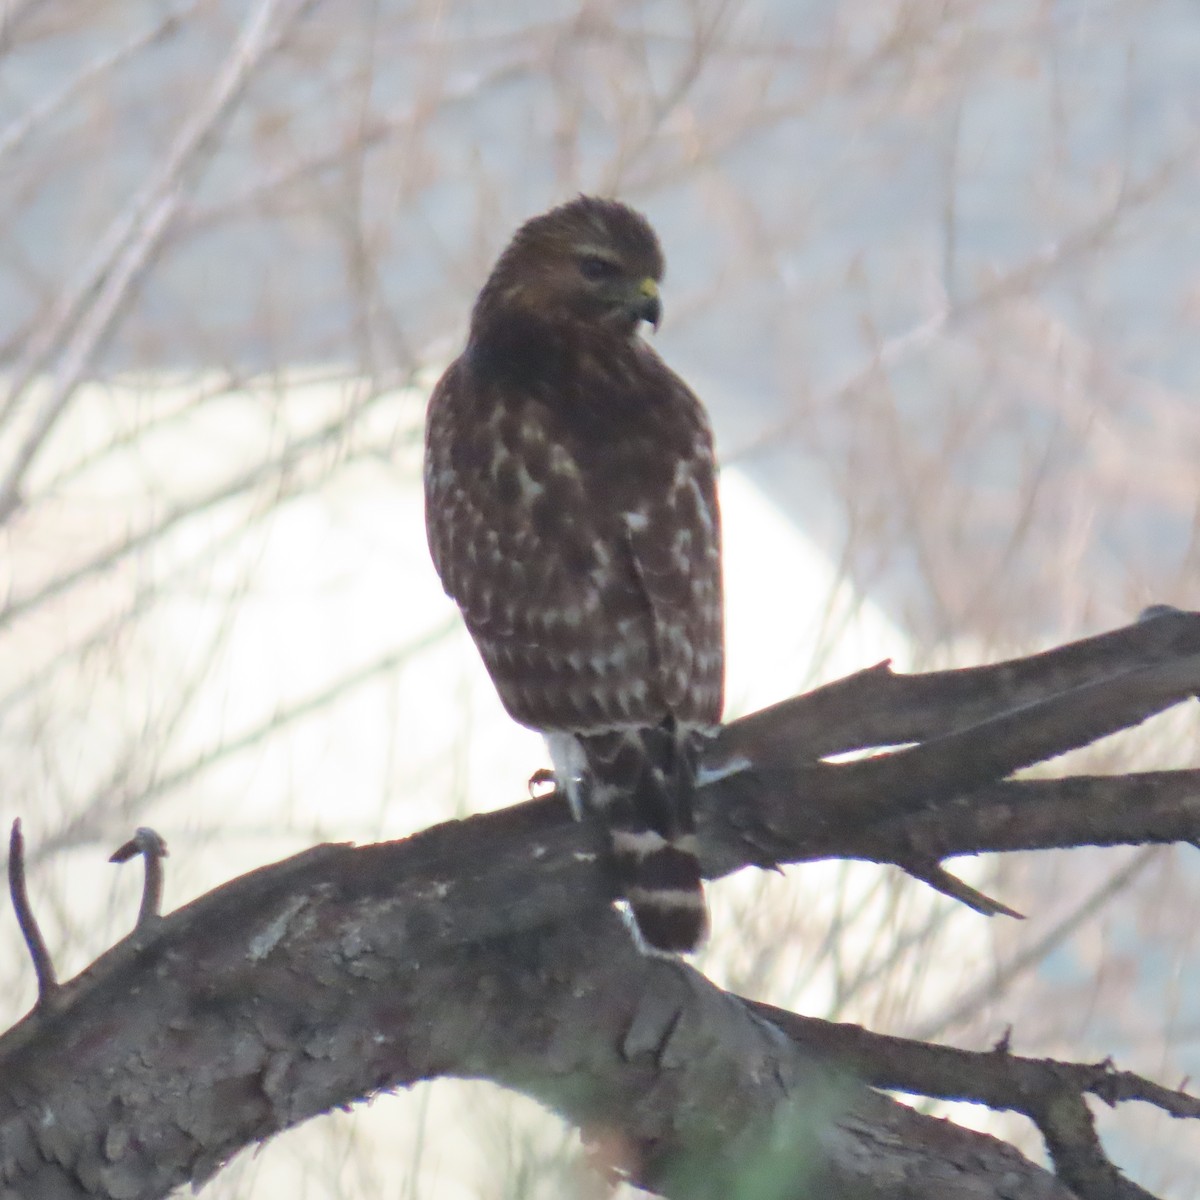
x=344 y=971
x=486 y=947
x=979 y=725
x=877 y=707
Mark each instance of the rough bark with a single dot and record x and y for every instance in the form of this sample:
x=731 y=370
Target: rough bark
x=486 y=948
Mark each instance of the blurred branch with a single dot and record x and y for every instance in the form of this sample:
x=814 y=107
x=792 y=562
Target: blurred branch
x=280 y=470
x=196 y=217
x=110 y=802
x=84 y=315
x=13 y=15
x=13 y=135
x=1015 y=281
x=1005 y=974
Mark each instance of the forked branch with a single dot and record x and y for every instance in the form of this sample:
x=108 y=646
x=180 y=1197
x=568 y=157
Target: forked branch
x=487 y=948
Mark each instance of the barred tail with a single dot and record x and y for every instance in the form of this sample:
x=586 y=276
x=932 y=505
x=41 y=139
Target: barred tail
x=662 y=882
x=641 y=782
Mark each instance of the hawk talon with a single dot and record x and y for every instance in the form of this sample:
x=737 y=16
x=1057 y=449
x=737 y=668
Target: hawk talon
x=542 y=783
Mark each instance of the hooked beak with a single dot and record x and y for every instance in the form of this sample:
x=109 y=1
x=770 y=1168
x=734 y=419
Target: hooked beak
x=649 y=306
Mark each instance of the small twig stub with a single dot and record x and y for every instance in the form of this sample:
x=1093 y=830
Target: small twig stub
x=43 y=965
x=153 y=849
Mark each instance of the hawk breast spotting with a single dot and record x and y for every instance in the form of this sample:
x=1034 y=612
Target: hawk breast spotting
x=571 y=508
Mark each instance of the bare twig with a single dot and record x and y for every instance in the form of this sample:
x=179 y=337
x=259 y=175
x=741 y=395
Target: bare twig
x=153 y=850
x=43 y=965
x=938 y=878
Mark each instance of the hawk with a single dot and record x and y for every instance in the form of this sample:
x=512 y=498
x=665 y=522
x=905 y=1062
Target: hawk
x=571 y=509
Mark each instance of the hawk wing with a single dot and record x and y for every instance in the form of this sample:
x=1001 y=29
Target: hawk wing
x=674 y=542
x=582 y=543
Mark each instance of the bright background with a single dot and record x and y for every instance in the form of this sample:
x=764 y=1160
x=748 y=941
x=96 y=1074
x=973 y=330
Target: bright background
x=933 y=266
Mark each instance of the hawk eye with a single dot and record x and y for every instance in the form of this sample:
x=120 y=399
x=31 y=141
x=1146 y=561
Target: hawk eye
x=595 y=269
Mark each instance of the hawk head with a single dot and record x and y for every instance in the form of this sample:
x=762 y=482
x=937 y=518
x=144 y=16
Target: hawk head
x=590 y=262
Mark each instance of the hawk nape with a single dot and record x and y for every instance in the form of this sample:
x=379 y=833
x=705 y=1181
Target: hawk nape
x=571 y=507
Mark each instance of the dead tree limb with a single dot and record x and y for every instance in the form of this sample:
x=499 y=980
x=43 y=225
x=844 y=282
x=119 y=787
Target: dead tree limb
x=487 y=948
x=328 y=977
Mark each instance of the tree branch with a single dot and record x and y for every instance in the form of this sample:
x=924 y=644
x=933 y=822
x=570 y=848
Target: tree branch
x=152 y=849
x=971 y=728
x=1049 y=1093
x=341 y=972
x=487 y=948
x=31 y=931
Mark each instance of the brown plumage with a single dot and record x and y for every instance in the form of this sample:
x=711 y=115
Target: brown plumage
x=572 y=513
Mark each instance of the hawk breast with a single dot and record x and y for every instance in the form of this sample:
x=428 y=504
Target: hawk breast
x=576 y=525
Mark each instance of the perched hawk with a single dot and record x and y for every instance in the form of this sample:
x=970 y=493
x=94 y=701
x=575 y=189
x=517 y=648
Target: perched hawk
x=571 y=507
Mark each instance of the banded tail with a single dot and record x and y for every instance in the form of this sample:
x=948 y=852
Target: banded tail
x=641 y=783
